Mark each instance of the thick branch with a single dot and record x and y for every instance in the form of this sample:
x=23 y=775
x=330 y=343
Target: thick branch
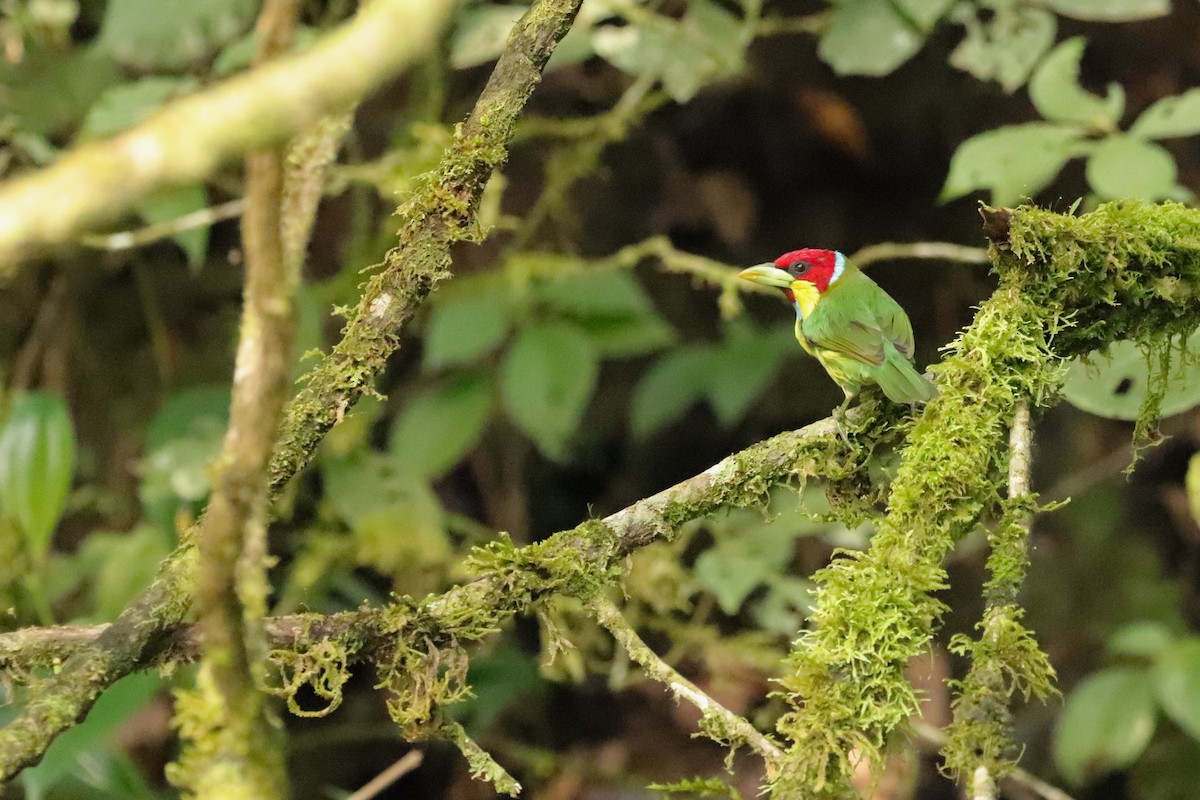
x=188 y=139
x=742 y=479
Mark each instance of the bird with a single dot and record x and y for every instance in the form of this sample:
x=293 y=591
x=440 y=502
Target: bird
x=857 y=332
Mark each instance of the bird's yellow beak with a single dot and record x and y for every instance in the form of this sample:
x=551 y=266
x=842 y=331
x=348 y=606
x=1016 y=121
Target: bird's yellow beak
x=767 y=275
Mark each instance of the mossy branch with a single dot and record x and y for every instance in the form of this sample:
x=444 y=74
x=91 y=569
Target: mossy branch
x=230 y=746
x=1006 y=659
x=1068 y=285
x=188 y=139
x=439 y=213
x=407 y=641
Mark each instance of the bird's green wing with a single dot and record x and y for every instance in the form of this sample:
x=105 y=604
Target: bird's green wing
x=856 y=320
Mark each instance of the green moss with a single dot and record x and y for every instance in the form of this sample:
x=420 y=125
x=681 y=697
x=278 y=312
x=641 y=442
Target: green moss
x=228 y=755
x=1125 y=271
x=1005 y=661
x=1068 y=286
x=876 y=610
x=322 y=666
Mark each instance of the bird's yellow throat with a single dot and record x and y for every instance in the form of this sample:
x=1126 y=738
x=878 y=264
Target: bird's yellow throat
x=806 y=295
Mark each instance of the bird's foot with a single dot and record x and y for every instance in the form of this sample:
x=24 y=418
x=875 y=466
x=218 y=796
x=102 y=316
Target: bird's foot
x=839 y=420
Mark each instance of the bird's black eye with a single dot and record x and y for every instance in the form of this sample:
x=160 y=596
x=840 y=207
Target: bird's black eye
x=798 y=268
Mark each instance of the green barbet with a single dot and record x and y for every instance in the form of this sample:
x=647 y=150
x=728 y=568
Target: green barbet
x=855 y=329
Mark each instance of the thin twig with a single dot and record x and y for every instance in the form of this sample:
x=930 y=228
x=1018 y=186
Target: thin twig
x=731 y=724
x=47 y=320
x=406 y=764
x=148 y=234
x=776 y=26
x=941 y=251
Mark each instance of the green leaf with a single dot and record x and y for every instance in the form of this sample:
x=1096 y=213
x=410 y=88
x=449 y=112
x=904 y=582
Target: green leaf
x=1109 y=10
x=480 y=34
x=621 y=337
x=1170 y=117
x=397 y=521
x=743 y=366
x=868 y=37
x=737 y=565
x=171 y=203
x=1106 y=723
x=546 y=382
x=440 y=425
x=604 y=293
x=49 y=91
x=612 y=308
x=125 y=562
x=37 y=460
x=182 y=440
x=117 y=704
x=706 y=44
x=1123 y=167
x=668 y=389
x=925 y=13
x=125 y=105
x=464 y=329
x=1116 y=383
x=1144 y=639
x=171 y=34
x=498 y=679
x=787 y=604
x=1013 y=161
x=1057 y=95
x=1006 y=48
x=1177 y=681
x=239 y=54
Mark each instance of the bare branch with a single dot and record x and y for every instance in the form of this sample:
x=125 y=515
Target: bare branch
x=941 y=251
x=727 y=724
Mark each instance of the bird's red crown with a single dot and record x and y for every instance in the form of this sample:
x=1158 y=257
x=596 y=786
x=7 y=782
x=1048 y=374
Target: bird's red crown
x=818 y=267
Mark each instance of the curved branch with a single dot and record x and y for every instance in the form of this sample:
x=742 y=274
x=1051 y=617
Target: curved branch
x=728 y=724
x=188 y=139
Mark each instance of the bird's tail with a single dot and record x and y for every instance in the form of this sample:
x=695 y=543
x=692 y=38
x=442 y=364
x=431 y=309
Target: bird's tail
x=900 y=380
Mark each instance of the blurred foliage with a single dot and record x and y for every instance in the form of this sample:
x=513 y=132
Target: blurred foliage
x=546 y=383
